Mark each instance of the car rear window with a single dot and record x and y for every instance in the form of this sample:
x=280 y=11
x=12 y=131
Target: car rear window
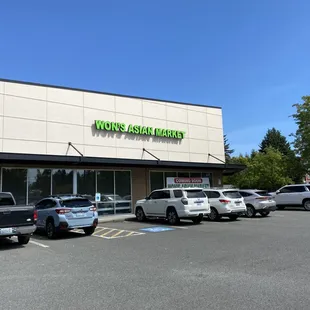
x=6 y=200
x=195 y=194
x=262 y=193
x=232 y=194
x=75 y=203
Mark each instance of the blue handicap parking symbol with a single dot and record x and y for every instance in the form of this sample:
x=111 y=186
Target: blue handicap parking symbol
x=156 y=229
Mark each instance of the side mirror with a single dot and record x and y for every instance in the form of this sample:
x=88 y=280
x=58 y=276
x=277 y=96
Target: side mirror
x=277 y=192
x=147 y=198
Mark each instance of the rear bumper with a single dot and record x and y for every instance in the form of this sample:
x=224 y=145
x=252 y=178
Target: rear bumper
x=193 y=213
x=67 y=226
x=270 y=209
x=234 y=212
x=270 y=206
x=21 y=230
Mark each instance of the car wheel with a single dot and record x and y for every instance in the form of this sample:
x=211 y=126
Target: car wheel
x=172 y=216
x=50 y=230
x=23 y=239
x=233 y=217
x=140 y=214
x=306 y=205
x=250 y=211
x=198 y=219
x=89 y=230
x=213 y=216
x=264 y=213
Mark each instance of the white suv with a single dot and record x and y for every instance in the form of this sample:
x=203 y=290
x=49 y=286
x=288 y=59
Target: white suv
x=293 y=195
x=258 y=201
x=174 y=204
x=225 y=202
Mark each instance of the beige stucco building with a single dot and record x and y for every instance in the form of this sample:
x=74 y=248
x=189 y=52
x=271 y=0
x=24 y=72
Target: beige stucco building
x=57 y=140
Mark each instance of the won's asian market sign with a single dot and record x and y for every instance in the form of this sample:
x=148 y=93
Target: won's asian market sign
x=188 y=182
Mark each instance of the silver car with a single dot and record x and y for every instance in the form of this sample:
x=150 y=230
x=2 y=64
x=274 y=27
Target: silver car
x=258 y=201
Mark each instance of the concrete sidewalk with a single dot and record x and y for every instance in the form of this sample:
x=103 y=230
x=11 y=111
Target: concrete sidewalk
x=116 y=218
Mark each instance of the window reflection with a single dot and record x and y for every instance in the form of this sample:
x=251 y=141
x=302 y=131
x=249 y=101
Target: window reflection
x=62 y=182
x=122 y=195
x=105 y=186
x=86 y=183
x=157 y=180
x=39 y=184
x=15 y=181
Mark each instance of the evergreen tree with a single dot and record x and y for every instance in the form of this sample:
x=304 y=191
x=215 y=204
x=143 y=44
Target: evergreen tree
x=228 y=150
x=276 y=140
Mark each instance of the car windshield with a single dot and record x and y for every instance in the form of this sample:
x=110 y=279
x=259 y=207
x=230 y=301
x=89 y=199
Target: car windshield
x=195 y=194
x=232 y=194
x=262 y=193
x=75 y=203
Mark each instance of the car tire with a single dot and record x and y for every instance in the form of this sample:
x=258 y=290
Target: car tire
x=233 y=217
x=89 y=230
x=264 y=213
x=198 y=219
x=172 y=216
x=50 y=230
x=250 y=211
x=23 y=239
x=214 y=215
x=140 y=214
x=306 y=205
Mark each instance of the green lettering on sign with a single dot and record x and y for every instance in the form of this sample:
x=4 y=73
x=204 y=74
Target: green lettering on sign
x=139 y=130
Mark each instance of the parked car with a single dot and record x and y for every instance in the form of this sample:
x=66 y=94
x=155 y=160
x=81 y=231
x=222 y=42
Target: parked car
x=60 y=213
x=225 y=202
x=258 y=201
x=16 y=220
x=297 y=195
x=174 y=204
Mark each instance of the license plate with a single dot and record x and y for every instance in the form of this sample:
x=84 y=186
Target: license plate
x=80 y=214
x=6 y=231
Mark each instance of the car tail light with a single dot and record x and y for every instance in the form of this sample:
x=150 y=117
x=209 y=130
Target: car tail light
x=184 y=201
x=262 y=198
x=93 y=209
x=35 y=215
x=62 y=211
x=224 y=201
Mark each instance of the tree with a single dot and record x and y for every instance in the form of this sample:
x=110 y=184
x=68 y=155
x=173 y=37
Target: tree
x=267 y=170
x=302 y=135
x=275 y=139
x=228 y=150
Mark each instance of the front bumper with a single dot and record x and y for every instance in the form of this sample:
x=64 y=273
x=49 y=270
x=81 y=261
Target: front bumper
x=18 y=231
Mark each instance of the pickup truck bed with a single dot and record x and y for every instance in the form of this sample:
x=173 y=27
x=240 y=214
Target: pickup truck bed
x=16 y=220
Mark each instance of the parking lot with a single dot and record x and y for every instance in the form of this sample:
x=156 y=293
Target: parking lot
x=259 y=263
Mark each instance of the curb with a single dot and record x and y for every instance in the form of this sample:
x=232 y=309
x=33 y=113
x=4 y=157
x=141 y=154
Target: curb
x=113 y=219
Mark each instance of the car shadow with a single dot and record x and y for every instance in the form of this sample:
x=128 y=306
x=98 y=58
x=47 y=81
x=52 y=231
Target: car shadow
x=160 y=221
x=9 y=244
x=40 y=235
x=299 y=209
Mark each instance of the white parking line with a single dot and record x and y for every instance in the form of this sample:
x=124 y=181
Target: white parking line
x=39 y=244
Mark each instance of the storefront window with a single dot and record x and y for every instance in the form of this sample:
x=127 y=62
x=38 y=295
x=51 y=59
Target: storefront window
x=86 y=183
x=183 y=174
x=15 y=181
x=62 y=181
x=39 y=184
x=105 y=186
x=169 y=175
x=157 y=180
x=208 y=175
x=195 y=174
x=122 y=192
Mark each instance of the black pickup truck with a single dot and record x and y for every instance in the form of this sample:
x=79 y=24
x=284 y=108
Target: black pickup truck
x=16 y=220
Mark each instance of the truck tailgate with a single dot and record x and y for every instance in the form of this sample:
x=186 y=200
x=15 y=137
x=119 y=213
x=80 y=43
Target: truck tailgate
x=14 y=216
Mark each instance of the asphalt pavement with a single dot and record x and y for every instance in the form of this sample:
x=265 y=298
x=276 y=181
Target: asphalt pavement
x=259 y=263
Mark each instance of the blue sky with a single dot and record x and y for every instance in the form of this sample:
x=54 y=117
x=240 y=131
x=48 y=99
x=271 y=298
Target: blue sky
x=249 y=57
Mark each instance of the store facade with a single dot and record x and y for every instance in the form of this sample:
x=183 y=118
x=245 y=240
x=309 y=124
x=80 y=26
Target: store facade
x=56 y=140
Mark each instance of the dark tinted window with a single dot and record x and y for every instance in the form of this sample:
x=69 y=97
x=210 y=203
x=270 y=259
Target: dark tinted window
x=245 y=194
x=156 y=195
x=212 y=194
x=293 y=189
x=178 y=193
x=308 y=187
x=6 y=200
x=75 y=203
x=232 y=194
x=195 y=194
x=46 y=204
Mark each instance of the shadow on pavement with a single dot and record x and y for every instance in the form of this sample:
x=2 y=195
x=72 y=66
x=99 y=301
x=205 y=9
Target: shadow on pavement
x=38 y=235
x=9 y=244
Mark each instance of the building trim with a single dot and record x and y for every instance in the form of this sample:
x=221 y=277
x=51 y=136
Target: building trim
x=37 y=159
x=105 y=93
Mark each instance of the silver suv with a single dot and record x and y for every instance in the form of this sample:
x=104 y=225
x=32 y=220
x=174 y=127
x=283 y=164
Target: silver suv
x=174 y=204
